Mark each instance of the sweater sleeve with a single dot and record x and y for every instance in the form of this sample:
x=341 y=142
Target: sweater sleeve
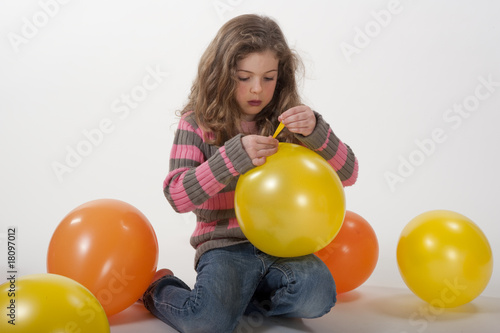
x=198 y=170
x=339 y=155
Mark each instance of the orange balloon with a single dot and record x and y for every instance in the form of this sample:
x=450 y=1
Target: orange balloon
x=353 y=254
x=109 y=247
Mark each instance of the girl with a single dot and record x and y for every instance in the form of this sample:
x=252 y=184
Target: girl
x=245 y=86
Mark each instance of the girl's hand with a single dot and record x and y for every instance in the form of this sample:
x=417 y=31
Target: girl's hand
x=299 y=119
x=258 y=147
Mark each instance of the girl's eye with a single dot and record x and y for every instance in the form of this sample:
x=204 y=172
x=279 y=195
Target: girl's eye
x=243 y=78
x=269 y=78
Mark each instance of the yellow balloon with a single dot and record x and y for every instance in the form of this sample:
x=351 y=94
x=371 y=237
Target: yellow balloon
x=444 y=258
x=292 y=205
x=50 y=303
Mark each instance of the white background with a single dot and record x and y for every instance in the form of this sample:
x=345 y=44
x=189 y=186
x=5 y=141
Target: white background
x=70 y=72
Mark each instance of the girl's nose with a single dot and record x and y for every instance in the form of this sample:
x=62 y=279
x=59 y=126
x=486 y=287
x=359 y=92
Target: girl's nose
x=256 y=87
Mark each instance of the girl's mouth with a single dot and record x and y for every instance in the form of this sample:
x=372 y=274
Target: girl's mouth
x=255 y=102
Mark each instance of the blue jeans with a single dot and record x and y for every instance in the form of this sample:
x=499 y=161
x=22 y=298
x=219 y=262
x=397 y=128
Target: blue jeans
x=240 y=279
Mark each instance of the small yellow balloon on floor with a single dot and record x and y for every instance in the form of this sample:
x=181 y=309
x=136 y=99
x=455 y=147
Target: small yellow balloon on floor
x=50 y=303
x=444 y=258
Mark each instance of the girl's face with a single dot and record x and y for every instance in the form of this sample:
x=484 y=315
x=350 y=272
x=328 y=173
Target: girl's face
x=257 y=74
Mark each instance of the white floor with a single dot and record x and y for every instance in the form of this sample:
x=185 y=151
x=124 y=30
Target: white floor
x=365 y=310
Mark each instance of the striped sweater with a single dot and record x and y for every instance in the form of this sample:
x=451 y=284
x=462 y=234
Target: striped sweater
x=203 y=177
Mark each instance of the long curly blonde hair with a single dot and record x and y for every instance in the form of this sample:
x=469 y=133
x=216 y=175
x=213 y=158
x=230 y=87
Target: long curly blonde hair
x=212 y=96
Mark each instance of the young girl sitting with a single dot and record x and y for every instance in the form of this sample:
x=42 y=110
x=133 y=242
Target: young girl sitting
x=246 y=85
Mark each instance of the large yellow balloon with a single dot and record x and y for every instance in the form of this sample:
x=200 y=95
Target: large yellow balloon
x=50 y=303
x=292 y=205
x=444 y=258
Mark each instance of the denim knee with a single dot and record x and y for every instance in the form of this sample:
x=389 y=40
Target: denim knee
x=310 y=288
x=323 y=292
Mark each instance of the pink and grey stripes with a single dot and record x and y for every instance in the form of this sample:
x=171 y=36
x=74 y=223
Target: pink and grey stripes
x=203 y=178
x=339 y=155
